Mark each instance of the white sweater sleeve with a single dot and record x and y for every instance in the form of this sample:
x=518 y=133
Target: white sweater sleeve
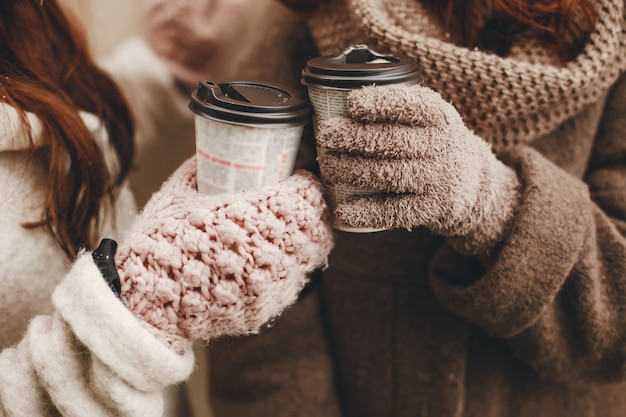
x=92 y=357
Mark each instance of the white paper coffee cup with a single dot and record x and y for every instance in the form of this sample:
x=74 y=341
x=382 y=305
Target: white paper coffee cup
x=247 y=134
x=329 y=79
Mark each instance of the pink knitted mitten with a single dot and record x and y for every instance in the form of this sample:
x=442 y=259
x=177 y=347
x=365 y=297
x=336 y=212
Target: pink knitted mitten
x=432 y=171
x=199 y=267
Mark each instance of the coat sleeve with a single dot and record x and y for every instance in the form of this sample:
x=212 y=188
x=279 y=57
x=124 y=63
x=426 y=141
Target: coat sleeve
x=91 y=357
x=557 y=288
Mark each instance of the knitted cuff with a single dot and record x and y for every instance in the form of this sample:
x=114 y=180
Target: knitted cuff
x=113 y=335
x=544 y=241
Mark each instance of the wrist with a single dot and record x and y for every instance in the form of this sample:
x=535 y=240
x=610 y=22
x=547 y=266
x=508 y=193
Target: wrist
x=491 y=218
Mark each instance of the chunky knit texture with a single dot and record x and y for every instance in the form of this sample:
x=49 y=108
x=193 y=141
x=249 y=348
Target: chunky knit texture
x=431 y=170
x=505 y=100
x=198 y=267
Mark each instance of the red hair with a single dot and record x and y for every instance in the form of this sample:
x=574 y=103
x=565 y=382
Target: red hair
x=564 y=25
x=47 y=70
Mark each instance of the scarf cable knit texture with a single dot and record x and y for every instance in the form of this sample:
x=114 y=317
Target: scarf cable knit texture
x=198 y=267
x=505 y=100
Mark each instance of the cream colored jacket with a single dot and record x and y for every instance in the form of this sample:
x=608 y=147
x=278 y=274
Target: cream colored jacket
x=69 y=346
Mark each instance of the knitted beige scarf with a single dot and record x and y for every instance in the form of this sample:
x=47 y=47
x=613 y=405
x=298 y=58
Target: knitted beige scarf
x=505 y=100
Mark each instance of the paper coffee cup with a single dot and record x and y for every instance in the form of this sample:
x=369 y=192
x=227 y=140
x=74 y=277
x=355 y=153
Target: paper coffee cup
x=247 y=134
x=330 y=78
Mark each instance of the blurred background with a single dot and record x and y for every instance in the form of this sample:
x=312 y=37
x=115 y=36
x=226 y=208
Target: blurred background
x=111 y=22
x=108 y=22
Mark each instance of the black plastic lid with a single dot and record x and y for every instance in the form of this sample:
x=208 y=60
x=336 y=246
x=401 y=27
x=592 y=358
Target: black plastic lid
x=250 y=104
x=359 y=65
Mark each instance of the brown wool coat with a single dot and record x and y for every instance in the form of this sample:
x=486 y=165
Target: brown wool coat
x=402 y=325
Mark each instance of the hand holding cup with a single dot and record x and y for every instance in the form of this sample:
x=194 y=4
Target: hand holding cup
x=412 y=146
x=197 y=267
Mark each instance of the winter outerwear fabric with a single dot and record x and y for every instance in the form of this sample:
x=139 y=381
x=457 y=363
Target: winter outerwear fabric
x=402 y=323
x=80 y=351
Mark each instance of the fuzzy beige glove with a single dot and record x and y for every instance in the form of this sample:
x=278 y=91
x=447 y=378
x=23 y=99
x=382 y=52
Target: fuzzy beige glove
x=432 y=171
x=197 y=267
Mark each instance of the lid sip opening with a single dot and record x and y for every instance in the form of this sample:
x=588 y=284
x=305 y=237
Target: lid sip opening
x=250 y=103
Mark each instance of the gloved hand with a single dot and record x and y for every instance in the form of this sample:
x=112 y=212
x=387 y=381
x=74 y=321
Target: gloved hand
x=188 y=34
x=198 y=267
x=432 y=171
